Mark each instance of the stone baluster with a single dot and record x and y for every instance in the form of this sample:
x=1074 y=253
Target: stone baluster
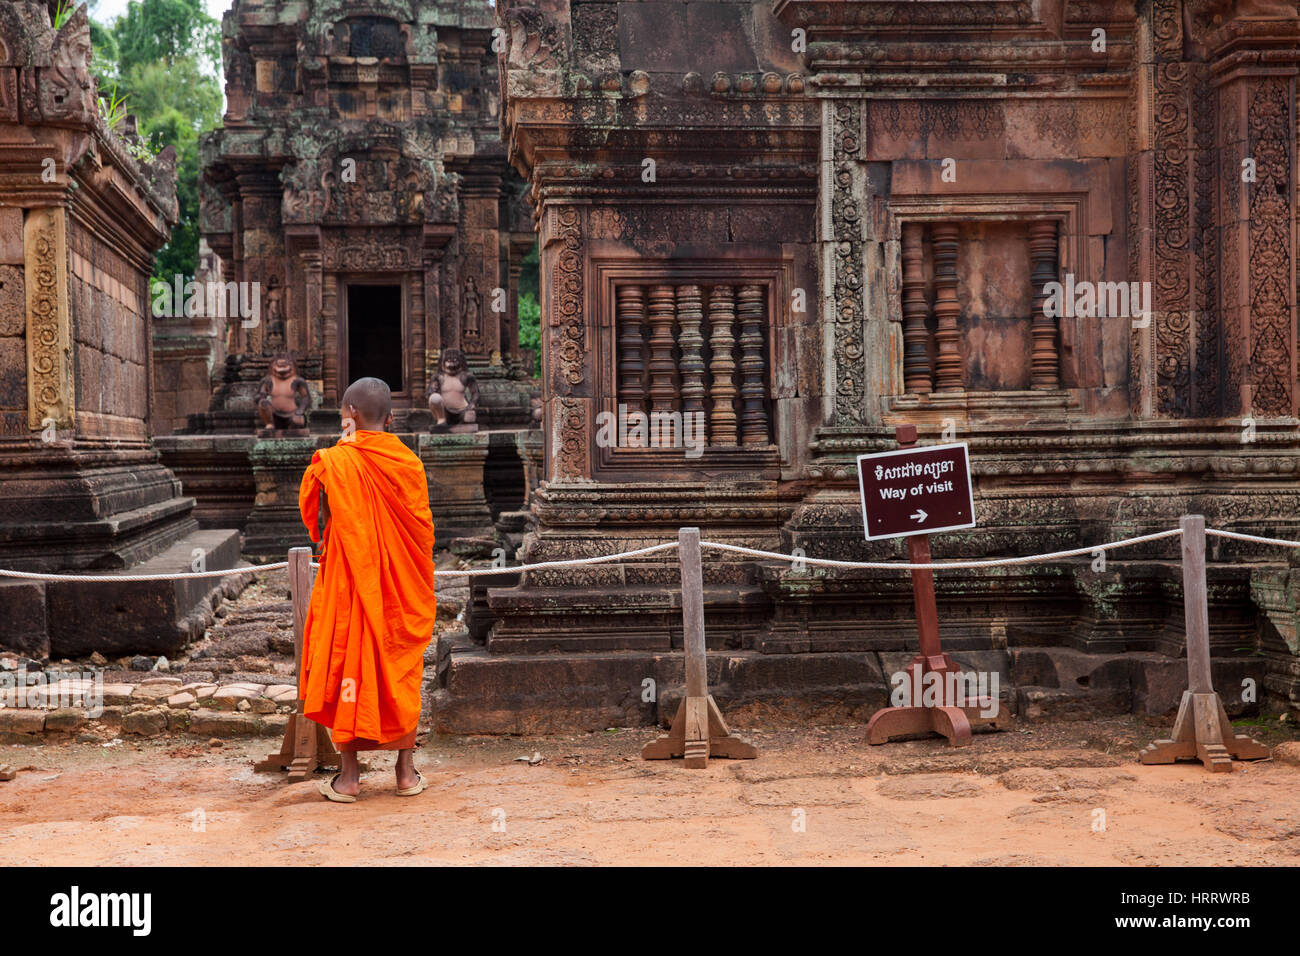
x=753 y=415
x=948 y=370
x=663 y=370
x=629 y=311
x=722 y=345
x=1044 y=358
x=690 y=344
x=916 y=338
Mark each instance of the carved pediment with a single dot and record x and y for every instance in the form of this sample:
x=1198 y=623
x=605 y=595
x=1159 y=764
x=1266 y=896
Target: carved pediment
x=536 y=50
x=375 y=174
x=62 y=92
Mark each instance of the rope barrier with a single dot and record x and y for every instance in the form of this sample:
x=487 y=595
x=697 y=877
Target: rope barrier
x=1238 y=536
x=941 y=565
x=567 y=563
x=131 y=578
x=672 y=545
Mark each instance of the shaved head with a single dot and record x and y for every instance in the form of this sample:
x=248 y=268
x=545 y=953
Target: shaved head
x=370 y=401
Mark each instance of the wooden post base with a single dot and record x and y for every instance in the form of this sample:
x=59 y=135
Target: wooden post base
x=953 y=720
x=698 y=732
x=955 y=723
x=1203 y=732
x=307 y=746
x=7 y=772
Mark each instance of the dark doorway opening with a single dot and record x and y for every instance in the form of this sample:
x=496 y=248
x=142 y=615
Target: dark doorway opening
x=375 y=334
x=504 y=484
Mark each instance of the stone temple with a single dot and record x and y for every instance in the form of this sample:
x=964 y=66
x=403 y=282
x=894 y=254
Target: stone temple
x=807 y=221
x=82 y=486
x=359 y=184
x=1061 y=231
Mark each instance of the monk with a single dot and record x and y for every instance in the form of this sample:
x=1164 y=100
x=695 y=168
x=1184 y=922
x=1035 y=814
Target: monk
x=372 y=608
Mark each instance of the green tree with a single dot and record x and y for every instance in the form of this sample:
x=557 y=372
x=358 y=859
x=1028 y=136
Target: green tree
x=530 y=309
x=162 y=56
x=166 y=30
x=530 y=328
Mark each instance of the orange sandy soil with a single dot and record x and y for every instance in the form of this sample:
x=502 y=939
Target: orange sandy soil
x=1025 y=796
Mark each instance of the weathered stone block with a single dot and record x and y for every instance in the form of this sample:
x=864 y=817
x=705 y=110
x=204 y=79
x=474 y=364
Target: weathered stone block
x=212 y=723
x=22 y=608
x=21 y=721
x=65 y=720
x=148 y=723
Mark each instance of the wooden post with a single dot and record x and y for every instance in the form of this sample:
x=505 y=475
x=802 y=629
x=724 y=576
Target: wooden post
x=951 y=718
x=307 y=745
x=698 y=731
x=1202 y=730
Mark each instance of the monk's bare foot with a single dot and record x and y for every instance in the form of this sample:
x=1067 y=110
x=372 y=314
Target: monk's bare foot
x=348 y=782
x=406 y=775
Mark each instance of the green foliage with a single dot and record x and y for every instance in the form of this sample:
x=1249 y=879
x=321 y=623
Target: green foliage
x=112 y=107
x=64 y=10
x=530 y=327
x=163 y=55
x=165 y=30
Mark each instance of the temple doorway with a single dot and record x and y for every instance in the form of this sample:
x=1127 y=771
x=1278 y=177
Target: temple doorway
x=374 y=334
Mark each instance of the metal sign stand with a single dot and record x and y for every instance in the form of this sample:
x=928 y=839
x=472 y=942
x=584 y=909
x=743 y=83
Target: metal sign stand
x=307 y=745
x=698 y=731
x=951 y=718
x=1202 y=730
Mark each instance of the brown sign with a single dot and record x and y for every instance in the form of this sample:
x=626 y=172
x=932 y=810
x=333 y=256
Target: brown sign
x=916 y=491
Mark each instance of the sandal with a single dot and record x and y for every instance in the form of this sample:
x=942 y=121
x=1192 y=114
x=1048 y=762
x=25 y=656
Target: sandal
x=420 y=786
x=329 y=793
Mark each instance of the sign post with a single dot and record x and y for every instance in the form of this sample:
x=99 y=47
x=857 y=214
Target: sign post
x=306 y=745
x=910 y=493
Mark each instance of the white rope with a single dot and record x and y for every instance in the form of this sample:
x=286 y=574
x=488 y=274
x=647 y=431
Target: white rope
x=667 y=546
x=1238 y=536
x=130 y=578
x=941 y=565
x=567 y=563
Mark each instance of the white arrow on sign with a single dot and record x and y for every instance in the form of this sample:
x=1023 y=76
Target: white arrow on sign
x=918 y=515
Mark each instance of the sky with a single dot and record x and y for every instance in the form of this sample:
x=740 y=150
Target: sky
x=106 y=10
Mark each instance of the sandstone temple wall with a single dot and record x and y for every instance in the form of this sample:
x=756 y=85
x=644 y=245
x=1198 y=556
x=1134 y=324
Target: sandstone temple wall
x=923 y=172
x=83 y=209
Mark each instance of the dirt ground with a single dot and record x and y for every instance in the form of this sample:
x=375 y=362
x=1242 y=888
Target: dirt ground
x=1036 y=796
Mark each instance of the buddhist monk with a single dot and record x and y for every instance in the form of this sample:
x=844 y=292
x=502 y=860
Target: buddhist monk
x=372 y=608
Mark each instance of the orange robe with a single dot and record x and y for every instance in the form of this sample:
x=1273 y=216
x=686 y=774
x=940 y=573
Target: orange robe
x=372 y=607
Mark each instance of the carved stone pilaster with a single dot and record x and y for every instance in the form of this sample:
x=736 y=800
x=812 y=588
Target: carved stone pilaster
x=844 y=244
x=1170 y=226
x=566 y=323
x=50 y=392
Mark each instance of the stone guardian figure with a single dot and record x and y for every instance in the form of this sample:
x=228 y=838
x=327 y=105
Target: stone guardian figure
x=283 y=400
x=453 y=395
